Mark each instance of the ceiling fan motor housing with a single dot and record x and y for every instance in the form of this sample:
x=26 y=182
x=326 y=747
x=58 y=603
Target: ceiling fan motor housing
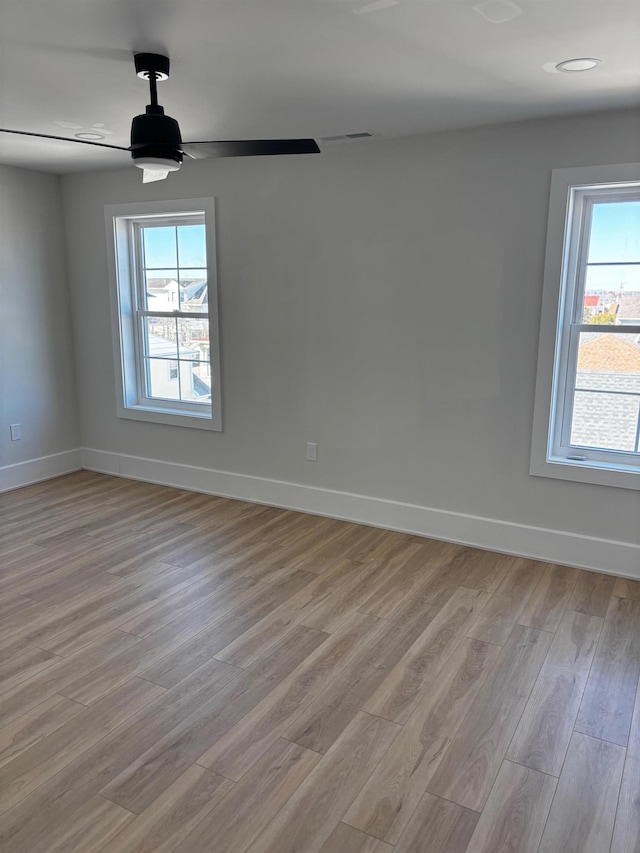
x=154 y=134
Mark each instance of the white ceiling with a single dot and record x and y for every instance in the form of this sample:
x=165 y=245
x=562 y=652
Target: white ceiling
x=280 y=68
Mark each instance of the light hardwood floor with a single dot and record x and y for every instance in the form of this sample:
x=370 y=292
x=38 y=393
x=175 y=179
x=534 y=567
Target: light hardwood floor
x=186 y=673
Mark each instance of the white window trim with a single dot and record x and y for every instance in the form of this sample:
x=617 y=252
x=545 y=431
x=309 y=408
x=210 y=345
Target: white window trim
x=123 y=318
x=556 y=272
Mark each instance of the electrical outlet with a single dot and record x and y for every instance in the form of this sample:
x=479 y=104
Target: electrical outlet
x=312 y=451
x=16 y=432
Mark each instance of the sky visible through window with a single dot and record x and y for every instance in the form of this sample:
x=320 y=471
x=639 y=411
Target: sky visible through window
x=615 y=241
x=163 y=252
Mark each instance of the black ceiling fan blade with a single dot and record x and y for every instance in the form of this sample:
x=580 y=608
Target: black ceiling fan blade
x=63 y=138
x=250 y=148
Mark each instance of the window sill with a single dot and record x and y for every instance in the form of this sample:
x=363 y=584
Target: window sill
x=590 y=471
x=207 y=420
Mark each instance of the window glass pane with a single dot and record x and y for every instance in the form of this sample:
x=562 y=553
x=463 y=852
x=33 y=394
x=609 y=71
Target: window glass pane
x=162 y=379
x=160 y=247
x=194 y=294
x=162 y=290
x=609 y=286
x=160 y=337
x=193 y=336
x=606 y=408
x=191 y=246
x=615 y=232
x=195 y=382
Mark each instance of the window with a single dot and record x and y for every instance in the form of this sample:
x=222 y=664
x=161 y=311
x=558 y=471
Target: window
x=587 y=415
x=164 y=307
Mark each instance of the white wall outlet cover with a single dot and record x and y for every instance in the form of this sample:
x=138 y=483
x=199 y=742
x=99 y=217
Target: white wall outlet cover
x=312 y=451
x=16 y=432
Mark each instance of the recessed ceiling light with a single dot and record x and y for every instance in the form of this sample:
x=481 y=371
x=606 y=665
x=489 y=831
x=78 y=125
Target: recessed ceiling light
x=498 y=11
x=88 y=136
x=582 y=64
x=376 y=6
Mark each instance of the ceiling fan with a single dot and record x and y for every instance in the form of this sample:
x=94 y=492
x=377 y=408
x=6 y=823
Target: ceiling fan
x=156 y=144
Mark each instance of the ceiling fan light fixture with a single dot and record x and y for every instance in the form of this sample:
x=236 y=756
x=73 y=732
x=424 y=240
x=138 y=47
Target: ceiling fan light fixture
x=160 y=163
x=156 y=168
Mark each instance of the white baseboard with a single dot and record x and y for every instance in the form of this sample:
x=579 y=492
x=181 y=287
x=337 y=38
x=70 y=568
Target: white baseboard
x=35 y=470
x=555 y=546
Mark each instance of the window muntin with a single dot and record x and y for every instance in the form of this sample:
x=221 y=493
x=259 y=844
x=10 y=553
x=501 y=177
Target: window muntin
x=166 y=312
x=180 y=332
x=594 y=408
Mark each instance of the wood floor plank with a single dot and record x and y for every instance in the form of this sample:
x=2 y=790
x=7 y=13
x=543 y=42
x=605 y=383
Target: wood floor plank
x=173 y=815
x=549 y=599
x=545 y=728
x=485 y=570
x=94 y=685
x=52 y=680
x=424 y=563
x=626 y=588
x=516 y=812
x=346 y=839
x=591 y=593
x=58 y=749
x=319 y=725
x=254 y=801
x=388 y=800
x=321 y=595
x=444 y=826
x=151 y=773
x=223 y=628
x=584 y=806
x=311 y=814
x=445 y=576
x=24 y=665
x=471 y=764
x=25 y=827
x=387 y=548
x=496 y=621
x=608 y=700
x=173 y=645
x=13 y=604
x=246 y=648
x=223 y=597
x=166 y=586
x=626 y=835
x=90 y=828
x=48 y=620
x=401 y=690
x=34 y=725
x=331 y=613
x=251 y=736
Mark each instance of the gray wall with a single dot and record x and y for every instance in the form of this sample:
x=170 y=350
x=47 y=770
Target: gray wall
x=381 y=299
x=37 y=375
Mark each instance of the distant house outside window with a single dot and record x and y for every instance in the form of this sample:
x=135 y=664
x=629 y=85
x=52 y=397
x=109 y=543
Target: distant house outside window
x=164 y=310
x=587 y=416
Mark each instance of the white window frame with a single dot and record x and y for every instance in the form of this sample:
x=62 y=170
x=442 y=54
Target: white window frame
x=131 y=399
x=572 y=192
